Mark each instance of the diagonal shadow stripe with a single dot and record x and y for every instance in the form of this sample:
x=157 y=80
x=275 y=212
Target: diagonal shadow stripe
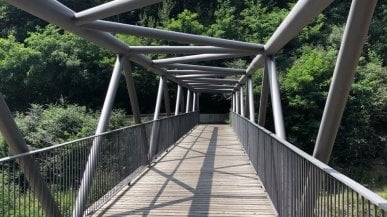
x=205 y=176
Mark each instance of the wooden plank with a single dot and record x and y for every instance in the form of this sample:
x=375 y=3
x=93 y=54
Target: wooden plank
x=205 y=174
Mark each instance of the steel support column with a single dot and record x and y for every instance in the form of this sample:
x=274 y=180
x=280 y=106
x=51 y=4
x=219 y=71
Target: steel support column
x=156 y=116
x=167 y=104
x=91 y=166
x=275 y=98
x=131 y=91
x=237 y=104
x=30 y=169
x=188 y=101
x=233 y=102
x=242 y=102
x=178 y=99
x=358 y=23
x=251 y=99
x=194 y=102
x=263 y=99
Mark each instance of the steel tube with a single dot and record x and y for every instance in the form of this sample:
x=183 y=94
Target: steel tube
x=210 y=80
x=211 y=86
x=184 y=50
x=242 y=102
x=275 y=98
x=189 y=72
x=109 y=9
x=91 y=165
x=233 y=103
x=194 y=101
x=131 y=91
x=197 y=58
x=204 y=68
x=263 y=99
x=251 y=99
x=167 y=104
x=160 y=93
x=178 y=99
x=30 y=169
x=188 y=101
x=196 y=76
x=214 y=90
x=358 y=23
x=155 y=126
x=237 y=104
x=184 y=38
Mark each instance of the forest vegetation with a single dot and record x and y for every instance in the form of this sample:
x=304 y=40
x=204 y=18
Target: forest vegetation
x=55 y=82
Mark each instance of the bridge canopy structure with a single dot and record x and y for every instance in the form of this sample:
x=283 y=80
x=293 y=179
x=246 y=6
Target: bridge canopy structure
x=87 y=174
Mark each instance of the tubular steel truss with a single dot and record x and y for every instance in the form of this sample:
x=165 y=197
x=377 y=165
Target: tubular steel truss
x=89 y=25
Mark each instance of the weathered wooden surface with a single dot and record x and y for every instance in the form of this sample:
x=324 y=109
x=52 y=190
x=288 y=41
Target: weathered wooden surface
x=206 y=174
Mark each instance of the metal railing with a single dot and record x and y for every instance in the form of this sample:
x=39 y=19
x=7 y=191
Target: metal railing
x=123 y=154
x=300 y=185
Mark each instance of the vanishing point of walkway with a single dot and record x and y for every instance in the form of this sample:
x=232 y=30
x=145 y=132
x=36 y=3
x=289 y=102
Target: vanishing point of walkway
x=206 y=174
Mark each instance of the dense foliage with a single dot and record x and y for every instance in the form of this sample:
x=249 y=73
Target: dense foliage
x=42 y=64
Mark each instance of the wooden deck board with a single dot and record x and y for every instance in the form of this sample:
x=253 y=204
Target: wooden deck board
x=205 y=174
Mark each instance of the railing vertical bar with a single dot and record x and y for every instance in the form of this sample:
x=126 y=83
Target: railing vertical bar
x=285 y=171
x=334 y=198
x=369 y=209
x=375 y=211
x=357 y=204
x=352 y=201
x=2 y=190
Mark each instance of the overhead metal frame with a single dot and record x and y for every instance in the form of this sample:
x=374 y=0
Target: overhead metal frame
x=202 y=78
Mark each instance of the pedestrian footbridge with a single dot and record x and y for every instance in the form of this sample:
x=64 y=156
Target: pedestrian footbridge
x=174 y=166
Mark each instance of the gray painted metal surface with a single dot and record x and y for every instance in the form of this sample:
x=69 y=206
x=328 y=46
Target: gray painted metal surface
x=241 y=101
x=87 y=25
x=351 y=46
x=233 y=102
x=155 y=126
x=196 y=58
x=196 y=76
x=211 y=80
x=178 y=99
x=172 y=36
x=250 y=92
x=109 y=9
x=237 y=101
x=188 y=101
x=18 y=145
x=263 y=98
x=204 y=68
x=275 y=97
x=194 y=101
x=131 y=91
x=89 y=172
x=167 y=104
x=184 y=50
x=189 y=72
x=285 y=169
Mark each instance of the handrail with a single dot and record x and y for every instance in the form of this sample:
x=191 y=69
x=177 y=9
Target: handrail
x=365 y=192
x=13 y=157
x=123 y=151
x=348 y=182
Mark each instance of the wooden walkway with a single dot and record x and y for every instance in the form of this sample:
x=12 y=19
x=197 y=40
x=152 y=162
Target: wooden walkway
x=205 y=174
